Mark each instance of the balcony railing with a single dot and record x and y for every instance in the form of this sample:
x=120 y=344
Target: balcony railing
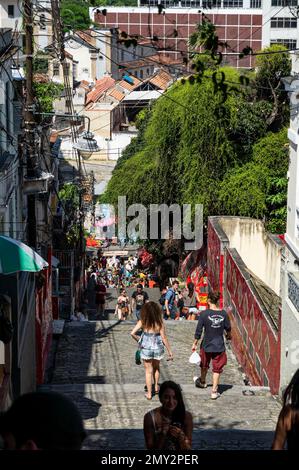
x=293 y=289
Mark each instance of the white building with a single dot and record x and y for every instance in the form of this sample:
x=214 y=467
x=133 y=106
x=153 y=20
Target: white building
x=92 y=50
x=290 y=270
x=280 y=23
x=10 y=15
x=10 y=118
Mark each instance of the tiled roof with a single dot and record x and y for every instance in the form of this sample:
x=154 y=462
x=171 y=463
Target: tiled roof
x=41 y=78
x=87 y=36
x=157 y=59
x=161 y=80
x=101 y=86
x=67 y=54
x=117 y=94
x=84 y=84
x=127 y=86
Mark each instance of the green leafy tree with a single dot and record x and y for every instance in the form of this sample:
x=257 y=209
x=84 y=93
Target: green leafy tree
x=272 y=65
x=259 y=188
x=69 y=195
x=46 y=93
x=75 y=15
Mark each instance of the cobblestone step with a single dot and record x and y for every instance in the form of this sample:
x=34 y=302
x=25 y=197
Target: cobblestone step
x=95 y=368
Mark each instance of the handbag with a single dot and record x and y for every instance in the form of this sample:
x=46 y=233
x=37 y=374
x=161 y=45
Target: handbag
x=138 y=357
x=6 y=328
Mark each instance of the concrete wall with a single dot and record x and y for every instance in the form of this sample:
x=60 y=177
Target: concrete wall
x=290 y=265
x=260 y=253
x=100 y=120
x=289 y=321
x=237 y=246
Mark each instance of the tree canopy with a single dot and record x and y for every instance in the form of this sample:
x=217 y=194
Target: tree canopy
x=214 y=138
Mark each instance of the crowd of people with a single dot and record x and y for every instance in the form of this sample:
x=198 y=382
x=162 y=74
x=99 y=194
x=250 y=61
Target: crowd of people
x=50 y=421
x=118 y=272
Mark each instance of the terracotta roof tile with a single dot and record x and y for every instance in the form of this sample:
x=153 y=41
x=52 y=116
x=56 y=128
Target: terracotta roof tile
x=127 y=86
x=87 y=36
x=101 y=86
x=117 y=94
x=161 y=80
x=41 y=78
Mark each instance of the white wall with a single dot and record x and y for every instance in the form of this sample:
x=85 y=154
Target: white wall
x=258 y=251
x=10 y=23
x=82 y=55
x=276 y=33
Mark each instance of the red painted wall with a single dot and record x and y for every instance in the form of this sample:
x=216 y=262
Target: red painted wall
x=43 y=322
x=255 y=340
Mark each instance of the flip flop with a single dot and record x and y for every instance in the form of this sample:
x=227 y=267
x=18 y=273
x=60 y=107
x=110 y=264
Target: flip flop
x=148 y=398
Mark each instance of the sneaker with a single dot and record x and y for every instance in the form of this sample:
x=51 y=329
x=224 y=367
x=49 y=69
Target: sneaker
x=215 y=395
x=200 y=384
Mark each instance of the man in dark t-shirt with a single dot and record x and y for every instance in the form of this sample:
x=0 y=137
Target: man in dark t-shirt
x=139 y=298
x=214 y=322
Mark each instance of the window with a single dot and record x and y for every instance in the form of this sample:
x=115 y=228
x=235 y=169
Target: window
x=288 y=43
x=122 y=55
x=141 y=74
x=42 y=21
x=211 y=3
x=255 y=3
x=232 y=3
x=282 y=3
x=279 y=22
x=11 y=11
x=75 y=70
x=56 y=69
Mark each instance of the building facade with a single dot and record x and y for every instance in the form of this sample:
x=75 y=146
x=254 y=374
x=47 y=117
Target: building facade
x=239 y=23
x=290 y=268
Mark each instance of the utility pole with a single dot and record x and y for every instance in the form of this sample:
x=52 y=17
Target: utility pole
x=29 y=120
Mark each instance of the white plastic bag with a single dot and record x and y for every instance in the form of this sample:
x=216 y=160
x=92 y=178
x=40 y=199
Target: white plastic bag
x=194 y=358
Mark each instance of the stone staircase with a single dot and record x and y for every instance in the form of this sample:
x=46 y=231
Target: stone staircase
x=94 y=366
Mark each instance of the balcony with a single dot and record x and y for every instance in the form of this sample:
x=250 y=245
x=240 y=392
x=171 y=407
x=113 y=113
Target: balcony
x=293 y=289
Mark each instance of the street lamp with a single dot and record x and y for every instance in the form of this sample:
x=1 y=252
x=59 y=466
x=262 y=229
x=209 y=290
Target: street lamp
x=86 y=145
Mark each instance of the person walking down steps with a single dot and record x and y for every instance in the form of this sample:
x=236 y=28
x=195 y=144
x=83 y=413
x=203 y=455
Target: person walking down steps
x=214 y=322
x=151 y=342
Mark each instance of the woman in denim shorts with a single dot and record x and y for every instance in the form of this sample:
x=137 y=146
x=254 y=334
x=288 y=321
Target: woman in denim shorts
x=151 y=344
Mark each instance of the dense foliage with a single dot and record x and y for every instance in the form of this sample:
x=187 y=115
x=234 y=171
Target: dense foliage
x=46 y=93
x=75 y=15
x=69 y=196
x=229 y=154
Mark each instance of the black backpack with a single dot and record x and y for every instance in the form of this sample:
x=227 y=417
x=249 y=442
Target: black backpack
x=162 y=300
